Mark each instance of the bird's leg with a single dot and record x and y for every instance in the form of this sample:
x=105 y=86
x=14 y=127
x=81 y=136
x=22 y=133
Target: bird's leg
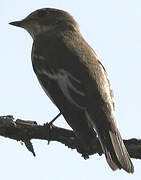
x=52 y=121
x=50 y=124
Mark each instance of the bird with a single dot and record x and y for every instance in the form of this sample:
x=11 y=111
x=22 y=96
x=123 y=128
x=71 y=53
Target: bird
x=73 y=77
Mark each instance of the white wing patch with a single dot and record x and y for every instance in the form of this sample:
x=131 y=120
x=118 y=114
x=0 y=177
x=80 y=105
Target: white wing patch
x=64 y=78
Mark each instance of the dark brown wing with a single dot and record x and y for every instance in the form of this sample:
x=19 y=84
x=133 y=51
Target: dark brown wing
x=82 y=92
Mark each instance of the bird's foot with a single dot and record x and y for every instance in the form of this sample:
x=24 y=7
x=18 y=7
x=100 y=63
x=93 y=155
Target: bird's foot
x=50 y=124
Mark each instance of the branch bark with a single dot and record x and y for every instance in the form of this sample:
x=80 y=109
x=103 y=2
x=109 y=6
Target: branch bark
x=25 y=131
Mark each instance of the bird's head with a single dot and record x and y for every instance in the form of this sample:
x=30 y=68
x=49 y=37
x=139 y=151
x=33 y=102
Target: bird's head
x=44 y=20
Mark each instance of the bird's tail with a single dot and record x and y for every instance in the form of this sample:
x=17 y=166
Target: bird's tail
x=115 y=151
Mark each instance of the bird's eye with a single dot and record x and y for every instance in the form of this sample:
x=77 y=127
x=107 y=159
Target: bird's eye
x=42 y=13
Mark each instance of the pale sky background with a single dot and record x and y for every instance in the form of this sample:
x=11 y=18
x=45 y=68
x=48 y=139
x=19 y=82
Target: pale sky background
x=113 y=29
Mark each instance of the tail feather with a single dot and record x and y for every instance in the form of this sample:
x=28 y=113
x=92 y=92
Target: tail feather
x=121 y=152
x=112 y=165
x=116 y=152
x=111 y=142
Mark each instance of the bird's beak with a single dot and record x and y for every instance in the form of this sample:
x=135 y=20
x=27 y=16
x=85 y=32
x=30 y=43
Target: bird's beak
x=25 y=23
x=17 y=23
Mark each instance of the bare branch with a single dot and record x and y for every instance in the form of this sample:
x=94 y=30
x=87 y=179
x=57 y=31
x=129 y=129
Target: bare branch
x=25 y=131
